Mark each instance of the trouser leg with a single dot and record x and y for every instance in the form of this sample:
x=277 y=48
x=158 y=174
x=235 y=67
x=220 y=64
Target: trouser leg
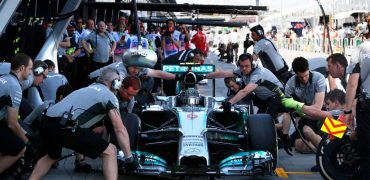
x=363 y=134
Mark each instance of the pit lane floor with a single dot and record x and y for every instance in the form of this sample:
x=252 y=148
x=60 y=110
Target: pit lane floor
x=295 y=167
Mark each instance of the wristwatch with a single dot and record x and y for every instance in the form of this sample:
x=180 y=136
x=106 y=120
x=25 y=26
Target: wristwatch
x=347 y=112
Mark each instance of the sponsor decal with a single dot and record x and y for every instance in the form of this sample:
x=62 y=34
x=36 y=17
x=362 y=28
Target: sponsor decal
x=192 y=116
x=193 y=151
x=195 y=69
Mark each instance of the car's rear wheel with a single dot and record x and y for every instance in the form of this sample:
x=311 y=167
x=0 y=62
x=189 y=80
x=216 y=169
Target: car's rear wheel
x=262 y=134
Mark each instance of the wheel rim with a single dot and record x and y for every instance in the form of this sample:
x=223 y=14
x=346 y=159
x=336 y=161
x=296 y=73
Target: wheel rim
x=345 y=158
x=338 y=159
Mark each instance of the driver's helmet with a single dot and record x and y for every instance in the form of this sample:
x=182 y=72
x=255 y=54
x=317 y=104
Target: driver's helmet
x=189 y=96
x=190 y=78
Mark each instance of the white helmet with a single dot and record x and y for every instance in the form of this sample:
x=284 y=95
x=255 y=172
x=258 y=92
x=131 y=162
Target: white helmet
x=140 y=58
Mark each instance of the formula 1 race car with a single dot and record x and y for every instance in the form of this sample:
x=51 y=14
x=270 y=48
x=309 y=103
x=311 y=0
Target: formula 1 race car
x=190 y=135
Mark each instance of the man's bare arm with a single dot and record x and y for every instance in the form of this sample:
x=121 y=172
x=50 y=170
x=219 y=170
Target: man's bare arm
x=317 y=104
x=113 y=47
x=315 y=113
x=160 y=74
x=219 y=74
x=14 y=125
x=242 y=93
x=121 y=131
x=332 y=83
x=351 y=90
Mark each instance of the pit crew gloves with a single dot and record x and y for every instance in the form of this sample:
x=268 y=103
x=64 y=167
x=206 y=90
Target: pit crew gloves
x=131 y=164
x=290 y=103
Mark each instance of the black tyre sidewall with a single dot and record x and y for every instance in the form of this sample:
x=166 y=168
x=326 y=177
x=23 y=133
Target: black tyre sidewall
x=328 y=147
x=262 y=134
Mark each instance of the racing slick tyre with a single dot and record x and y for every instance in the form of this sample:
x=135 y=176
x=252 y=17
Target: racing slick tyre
x=262 y=134
x=338 y=158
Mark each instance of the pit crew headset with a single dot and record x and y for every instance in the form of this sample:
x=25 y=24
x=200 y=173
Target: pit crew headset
x=116 y=83
x=39 y=68
x=250 y=58
x=191 y=54
x=258 y=29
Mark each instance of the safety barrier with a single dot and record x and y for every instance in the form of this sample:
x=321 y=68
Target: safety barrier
x=339 y=45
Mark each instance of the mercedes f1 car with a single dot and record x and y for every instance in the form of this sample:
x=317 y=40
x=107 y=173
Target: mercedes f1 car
x=190 y=135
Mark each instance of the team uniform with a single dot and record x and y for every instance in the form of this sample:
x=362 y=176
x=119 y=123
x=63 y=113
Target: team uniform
x=34 y=97
x=10 y=96
x=319 y=65
x=306 y=93
x=88 y=106
x=50 y=85
x=4 y=68
x=36 y=113
x=266 y=81
x=147 y=82
x=130 y=120
x=363 y=108
x=25 y=84
x=119 y=66
x=271 y=59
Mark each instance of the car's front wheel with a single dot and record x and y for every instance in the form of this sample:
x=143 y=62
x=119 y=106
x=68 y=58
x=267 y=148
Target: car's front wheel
x=337 y=158
x=262 y=134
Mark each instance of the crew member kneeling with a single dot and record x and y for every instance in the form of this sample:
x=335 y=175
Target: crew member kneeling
x=68 y=124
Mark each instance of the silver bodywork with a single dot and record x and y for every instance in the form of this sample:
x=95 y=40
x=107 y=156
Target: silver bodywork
x=190 y=135
x=192 y=142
